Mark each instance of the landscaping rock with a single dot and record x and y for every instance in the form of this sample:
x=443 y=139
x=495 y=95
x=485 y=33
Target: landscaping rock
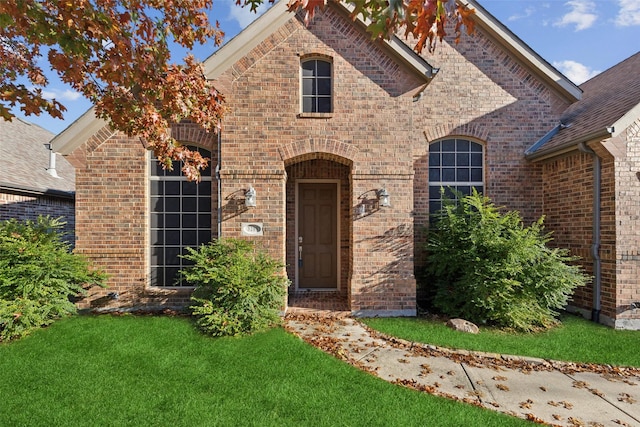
x=463 y=326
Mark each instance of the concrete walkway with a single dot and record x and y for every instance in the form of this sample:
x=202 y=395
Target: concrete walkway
x=554 y=393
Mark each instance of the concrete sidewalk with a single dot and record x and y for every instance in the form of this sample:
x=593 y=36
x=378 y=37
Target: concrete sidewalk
x=556 y=393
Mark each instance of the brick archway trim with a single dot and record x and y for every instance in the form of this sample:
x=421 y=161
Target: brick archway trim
x=461 y=129
x=314 y=148
x=193 y=134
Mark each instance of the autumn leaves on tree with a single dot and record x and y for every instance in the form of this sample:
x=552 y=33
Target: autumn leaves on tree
x=117 y=54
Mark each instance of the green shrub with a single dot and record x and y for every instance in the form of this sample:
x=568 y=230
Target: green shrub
x=239 y=290
x=489 y=268
x=38 y=275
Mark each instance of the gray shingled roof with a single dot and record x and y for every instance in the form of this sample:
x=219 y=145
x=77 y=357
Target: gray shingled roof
x=607 y=97
x=25 y=159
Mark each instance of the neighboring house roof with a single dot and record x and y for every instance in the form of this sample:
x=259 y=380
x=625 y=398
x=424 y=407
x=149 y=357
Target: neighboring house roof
x=611 y=102
x=87 y=125
x=25 y=161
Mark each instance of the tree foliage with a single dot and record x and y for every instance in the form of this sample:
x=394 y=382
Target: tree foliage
x=117 y=54
x=489 y=268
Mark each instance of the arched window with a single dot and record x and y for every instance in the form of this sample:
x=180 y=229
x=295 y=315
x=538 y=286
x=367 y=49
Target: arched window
x=454 y=164
x=180 y=217
x=316 y=86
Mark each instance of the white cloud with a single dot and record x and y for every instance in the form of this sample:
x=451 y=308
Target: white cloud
x=575 y=71
x=244 y=16
x=529 y=11
x=629 y=13
x=582 y=14
x=61 y=95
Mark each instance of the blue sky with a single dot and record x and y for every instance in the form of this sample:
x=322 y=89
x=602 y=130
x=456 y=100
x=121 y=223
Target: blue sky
x=581 y=38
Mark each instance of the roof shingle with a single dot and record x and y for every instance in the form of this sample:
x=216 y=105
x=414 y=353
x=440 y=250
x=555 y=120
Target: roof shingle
x=607 y=97
x=25 y=159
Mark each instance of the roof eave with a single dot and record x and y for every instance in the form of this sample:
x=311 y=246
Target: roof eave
x=626 y=120
x=568 y=146
x=29 y=191
x=236 y=48
x=523 y=52
x=278 y=15
x=77 y=132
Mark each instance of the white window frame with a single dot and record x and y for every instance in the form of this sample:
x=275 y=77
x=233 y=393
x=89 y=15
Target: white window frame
x=453 y=158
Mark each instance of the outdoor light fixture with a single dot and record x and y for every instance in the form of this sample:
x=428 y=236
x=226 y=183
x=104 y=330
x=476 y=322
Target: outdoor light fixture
x=383 y=197
x=250 y=197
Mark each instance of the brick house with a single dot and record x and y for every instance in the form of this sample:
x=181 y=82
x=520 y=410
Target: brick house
x=343 y=144
x=34 y=180
x=591 y=180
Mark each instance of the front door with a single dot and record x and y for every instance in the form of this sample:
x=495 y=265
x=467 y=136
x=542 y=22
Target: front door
x=317 y=240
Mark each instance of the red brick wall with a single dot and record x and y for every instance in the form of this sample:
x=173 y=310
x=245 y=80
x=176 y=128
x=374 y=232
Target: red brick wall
x=112 y=220
x=627 y=206
x=25 y=207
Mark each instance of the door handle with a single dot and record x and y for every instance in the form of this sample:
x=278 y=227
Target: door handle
x=299 y=251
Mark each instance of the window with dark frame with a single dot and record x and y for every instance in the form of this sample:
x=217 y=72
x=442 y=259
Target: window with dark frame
x=316 y=86
x=180 y=217
x=454 y=164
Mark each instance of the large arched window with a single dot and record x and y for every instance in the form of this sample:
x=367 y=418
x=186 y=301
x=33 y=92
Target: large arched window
x=454 y=164
x=180 y=217
x=316 y=86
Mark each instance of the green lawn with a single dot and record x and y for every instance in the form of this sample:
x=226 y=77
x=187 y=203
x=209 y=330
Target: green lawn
x=159 y=371
x=576 y=340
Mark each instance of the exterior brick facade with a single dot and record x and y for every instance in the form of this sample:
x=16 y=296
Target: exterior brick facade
x=385 y=115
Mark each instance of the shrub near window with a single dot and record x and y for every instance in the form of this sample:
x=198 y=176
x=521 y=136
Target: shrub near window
x=38 y=276
x=489 y=268
x=239 y=289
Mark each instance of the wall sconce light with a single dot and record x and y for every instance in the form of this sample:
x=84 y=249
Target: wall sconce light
x=383 y=197
x=250 y=197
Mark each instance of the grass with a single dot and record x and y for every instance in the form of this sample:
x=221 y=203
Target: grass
x=159 y=371
x=576 y=340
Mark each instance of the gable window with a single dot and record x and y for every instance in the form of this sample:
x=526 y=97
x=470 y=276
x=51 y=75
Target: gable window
x=316 y=86
x=454 y=164
x=180 y=217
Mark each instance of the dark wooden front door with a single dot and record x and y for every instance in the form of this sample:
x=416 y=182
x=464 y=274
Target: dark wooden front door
x=317 y=235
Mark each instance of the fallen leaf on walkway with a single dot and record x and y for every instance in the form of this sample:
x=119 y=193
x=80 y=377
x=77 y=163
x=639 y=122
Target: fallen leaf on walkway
x=577 y=422
x=502 y=387
x=460 y=386
x=564 y=404
x=625 y=397
x=580 y=384
x=543 y=388
x=426 y=369
x=527 y=404
x=622 y=423
x=557 y=417
x=596 y=392
x=535 y=419
x=450 y=373
x=499 y=378
x=403 y=361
